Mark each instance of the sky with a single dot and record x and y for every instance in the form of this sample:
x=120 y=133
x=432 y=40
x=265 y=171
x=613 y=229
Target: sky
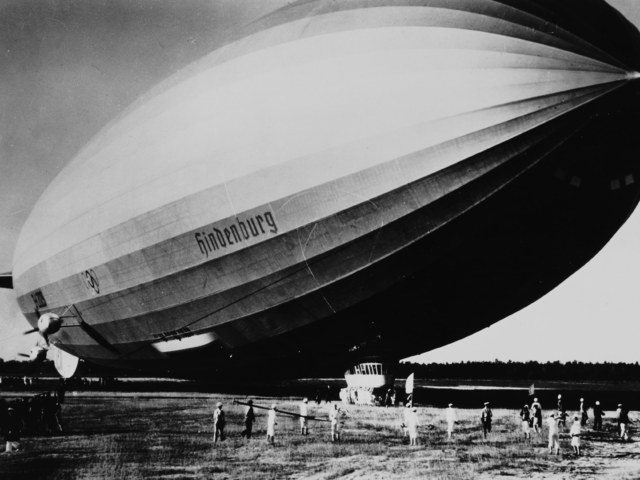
x=68 y=67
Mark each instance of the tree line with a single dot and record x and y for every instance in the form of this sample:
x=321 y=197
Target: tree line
x=523 y=370
x=496 y=370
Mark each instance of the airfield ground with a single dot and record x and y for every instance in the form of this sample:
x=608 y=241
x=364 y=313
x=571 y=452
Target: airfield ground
x=170 y=437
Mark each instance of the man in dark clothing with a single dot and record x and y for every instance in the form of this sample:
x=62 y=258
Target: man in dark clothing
x=3 y=413
x=562 y=413
x=52 y=411
x=485 y=418
x=218 y=423
x=12 y=430
x=249 y=419
x=583 y=413
x=598 y=413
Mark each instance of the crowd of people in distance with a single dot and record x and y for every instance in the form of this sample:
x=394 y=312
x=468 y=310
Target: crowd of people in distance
x=39 y=414
x=531 y=418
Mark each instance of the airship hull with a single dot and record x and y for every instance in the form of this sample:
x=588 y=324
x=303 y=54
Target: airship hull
x=366 y=180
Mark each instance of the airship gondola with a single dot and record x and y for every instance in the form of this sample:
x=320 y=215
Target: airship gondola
x=343 y=181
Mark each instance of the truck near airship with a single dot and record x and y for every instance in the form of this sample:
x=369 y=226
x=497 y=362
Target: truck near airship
x=344 y=183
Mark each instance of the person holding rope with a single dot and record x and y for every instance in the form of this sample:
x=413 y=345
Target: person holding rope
x=304 y=412
x=271 y=425
x=249 y=419
x=271 y=417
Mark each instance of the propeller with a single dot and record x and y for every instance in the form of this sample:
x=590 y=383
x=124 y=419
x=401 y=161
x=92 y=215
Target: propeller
x=36 y=354
x=48 y=324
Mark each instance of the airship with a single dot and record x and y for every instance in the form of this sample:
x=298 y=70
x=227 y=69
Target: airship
x=343 y=182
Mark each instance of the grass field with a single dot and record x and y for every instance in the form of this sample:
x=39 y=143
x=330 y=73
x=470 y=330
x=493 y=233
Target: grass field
x=171 y=438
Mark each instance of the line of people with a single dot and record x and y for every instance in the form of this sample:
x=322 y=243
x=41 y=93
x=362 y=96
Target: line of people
x=336 y=416
x=531 y=419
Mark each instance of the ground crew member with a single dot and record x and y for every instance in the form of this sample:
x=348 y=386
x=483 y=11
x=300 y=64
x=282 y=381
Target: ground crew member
x=3 y=413
x=61 y=391
x=525 y=416
x=218 y=423
x=50 y=408
x=387 y=399
x=271 y=425
x=485 y=418
x=304 y=412
x=562 y=413
x=249 y=418
x=12 y=430
x=598 y=413
x=623 y=422
x=405 y=419
x=554 y=438
x=575 y=432
x=583 y=413
x=334 y=416
x=536 y=412
x=450 y=415
x=412 y=426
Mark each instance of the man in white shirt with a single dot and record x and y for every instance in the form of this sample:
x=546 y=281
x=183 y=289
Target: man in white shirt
x=271 y=425
x=450 y=415
x=304 y=412
x=554 y=438
x=574 y=432
x=412 y=427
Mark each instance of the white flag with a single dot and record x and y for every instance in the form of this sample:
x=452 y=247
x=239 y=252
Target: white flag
x=408 y=387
